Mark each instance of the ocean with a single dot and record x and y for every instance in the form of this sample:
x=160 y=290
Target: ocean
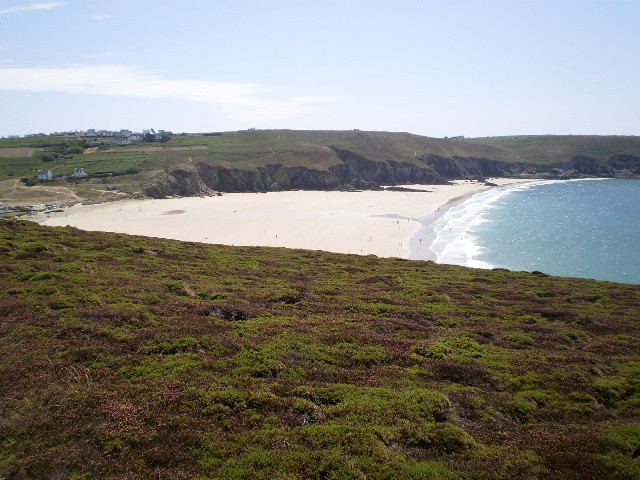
x=572 y=228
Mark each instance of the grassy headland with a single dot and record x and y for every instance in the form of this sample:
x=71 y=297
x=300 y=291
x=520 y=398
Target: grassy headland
x=131 y=357
x=262 y=160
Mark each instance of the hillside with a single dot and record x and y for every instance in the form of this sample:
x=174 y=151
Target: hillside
x=268 y=160
x=130 y=357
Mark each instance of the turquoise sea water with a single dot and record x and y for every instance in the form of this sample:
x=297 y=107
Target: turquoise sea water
x=574 y=228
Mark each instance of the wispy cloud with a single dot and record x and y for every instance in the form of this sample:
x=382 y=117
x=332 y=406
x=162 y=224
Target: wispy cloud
x=242 y=101
x=31 y=6
x=100 y=16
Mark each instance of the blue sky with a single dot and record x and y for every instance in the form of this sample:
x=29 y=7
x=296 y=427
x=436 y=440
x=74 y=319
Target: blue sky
x=435 y=68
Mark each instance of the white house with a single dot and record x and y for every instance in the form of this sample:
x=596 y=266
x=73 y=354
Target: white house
x=44 y=175
x=79 y=173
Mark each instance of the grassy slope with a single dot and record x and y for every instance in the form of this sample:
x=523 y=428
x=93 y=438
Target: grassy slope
x=551 y=149
x=144 y=358
x=259 y=147
x=250 y=149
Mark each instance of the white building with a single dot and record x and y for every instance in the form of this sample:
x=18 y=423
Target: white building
x=79 y=173
x=44 y=175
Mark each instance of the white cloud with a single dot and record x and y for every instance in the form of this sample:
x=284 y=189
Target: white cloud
x=100 y=16
x=317 y=99
x=31 y=6
x=242 y=101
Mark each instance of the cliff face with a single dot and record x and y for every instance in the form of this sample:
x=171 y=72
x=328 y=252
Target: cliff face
x=470 y=168
x=624 y=164
x=264 y=179
x=618 y=165
x=181 y=180
x=357 y=172
x=360 y=172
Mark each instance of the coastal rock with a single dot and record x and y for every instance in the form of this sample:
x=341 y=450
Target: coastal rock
x=585 y=164
x=625 y=163
x=475 y=168
x=181 y=180
x=302 y=178
x=233 y=180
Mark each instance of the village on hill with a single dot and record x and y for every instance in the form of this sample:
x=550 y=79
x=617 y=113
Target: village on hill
x=112 y=137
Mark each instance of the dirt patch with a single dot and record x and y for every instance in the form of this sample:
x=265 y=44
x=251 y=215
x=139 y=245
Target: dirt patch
x=16 y=152
x=13 y=192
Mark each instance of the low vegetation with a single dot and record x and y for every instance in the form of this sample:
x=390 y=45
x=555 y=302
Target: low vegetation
x=131 y=357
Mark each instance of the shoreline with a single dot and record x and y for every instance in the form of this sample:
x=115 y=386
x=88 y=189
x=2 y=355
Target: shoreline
x=381 y=223
x=421 y=242
x=424 y=237
x=449 y=236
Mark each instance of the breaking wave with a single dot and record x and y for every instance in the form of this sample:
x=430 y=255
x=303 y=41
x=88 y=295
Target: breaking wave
x=454 y=240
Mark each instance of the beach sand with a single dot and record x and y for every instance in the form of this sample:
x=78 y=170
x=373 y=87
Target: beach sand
x=381 y=223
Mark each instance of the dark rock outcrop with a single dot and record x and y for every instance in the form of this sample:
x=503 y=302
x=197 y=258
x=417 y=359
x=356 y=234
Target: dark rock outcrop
x=629 y=164
x=475 y=168
x=586 y=165
x=180 y=180
x=359 y=172
x=264 y=179
x=308 y=179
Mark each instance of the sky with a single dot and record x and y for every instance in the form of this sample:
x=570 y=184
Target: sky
x=436 y=68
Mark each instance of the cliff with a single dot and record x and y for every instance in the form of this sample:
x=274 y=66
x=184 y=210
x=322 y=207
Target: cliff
x=355 y=171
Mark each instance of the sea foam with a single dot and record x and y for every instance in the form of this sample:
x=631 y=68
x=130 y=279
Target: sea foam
x=453 y=240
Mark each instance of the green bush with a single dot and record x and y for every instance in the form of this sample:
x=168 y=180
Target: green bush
x=611 y=390
x=518 y=336
x=439 y=438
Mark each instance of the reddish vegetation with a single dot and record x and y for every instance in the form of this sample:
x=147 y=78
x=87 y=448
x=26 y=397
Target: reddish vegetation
x=128 y=357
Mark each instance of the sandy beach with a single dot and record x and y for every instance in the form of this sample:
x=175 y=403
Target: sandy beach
x=381 y=223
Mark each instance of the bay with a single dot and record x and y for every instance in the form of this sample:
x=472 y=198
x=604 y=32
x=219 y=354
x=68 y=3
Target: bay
x=575 y=228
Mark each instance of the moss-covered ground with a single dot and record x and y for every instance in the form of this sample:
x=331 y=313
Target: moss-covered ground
x=131 y=357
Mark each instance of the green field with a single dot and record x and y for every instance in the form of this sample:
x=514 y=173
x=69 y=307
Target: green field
x=131 y=357
x=16 y=167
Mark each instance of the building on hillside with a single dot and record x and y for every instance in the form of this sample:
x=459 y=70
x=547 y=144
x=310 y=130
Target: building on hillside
x=79 y=173
x=44 y=175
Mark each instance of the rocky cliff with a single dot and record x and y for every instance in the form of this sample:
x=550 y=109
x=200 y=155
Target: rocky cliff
x=357 y=172
x=182 y=180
